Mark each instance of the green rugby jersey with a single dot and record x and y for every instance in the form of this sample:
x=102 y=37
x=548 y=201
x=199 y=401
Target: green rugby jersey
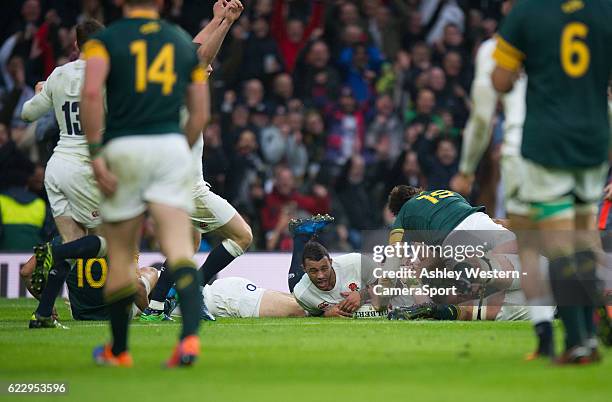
x=431 y=215
x=85 y=289
x=565 y=47
x=151 y=64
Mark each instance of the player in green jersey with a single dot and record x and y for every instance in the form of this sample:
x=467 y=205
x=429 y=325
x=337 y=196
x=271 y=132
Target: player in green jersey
x=564 y=47
x=432 y=216
x=85 y=284
x=143 y=162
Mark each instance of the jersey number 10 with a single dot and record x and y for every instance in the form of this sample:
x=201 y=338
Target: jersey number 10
x=435 y=196
x=161 y=70
x=84 y=273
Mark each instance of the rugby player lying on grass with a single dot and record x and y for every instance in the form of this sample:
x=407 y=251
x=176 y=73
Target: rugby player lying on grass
x=336 y=287
x=240 y=298
x=85 y=288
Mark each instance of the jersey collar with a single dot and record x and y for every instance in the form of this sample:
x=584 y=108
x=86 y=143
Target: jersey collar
x=140 y=13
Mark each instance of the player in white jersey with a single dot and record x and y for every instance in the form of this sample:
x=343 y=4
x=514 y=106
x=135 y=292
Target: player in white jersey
x=241 y=298
x=477 y=136
x=212 y=213
x=69 y=181
x=339 y=286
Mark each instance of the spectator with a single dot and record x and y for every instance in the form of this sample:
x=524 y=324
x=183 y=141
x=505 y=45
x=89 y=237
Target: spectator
x=246 y=171
x=282 y=90
x=414 y=32
x=406 y=170
x=424 y=111
x=261 y=52
x=438 y=159
x=346 y=135
x=386 y=127
x=314 y=136
x=25 y=220
x=436 y=14
x=215 y=162
x=360 y=65
x=355 y=196
x=383 y=27
x=291 y=36
x=316 y=81
x=284 y=203
x=13 y=99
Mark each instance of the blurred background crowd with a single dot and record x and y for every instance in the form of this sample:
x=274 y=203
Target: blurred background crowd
x=318 y=106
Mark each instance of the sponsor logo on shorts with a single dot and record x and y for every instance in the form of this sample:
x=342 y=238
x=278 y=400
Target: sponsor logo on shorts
x=323 y=306
x=353 y=287
x=95 y=214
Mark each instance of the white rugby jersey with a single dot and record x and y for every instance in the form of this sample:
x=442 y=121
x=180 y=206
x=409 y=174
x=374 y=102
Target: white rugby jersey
x=484 y=98
x=348 y=278
x=62 y=92
x=349 y=270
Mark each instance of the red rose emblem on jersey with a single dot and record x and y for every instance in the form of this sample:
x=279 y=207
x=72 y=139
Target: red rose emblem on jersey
x=353 y=287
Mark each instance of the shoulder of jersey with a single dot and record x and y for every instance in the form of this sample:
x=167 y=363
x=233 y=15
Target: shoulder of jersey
x=302 y=286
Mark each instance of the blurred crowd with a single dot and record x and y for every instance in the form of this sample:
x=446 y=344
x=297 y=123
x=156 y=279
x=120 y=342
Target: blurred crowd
x=318 y=106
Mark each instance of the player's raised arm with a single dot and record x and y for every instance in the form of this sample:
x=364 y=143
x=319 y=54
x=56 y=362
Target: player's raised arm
x=198 y=105
x=225 y=13
x=40 y=103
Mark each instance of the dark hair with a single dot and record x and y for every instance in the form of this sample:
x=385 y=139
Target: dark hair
x=400 y=195
x=313 y=250
x=85 y=29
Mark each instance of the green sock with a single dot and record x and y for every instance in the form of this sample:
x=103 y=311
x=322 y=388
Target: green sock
x=573 y=322
x=589 y=322
x=187 y=283
x=120 y=307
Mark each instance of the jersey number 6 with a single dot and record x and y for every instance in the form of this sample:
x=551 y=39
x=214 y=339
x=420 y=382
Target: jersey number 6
x=575 y=55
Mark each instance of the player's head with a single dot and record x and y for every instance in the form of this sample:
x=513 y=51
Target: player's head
x=318 y=265
x=507 y=6
x=400 y=195
x=85 y=30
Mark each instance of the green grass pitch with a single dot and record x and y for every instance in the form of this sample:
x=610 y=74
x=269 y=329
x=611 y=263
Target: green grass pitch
x=298 y=360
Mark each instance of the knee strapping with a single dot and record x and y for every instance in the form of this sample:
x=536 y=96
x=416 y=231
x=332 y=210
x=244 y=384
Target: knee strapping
x=232 y=247
x=563 y=208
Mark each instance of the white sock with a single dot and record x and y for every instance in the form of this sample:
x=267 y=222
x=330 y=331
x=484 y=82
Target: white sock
x=540 y=314
x=156 y=305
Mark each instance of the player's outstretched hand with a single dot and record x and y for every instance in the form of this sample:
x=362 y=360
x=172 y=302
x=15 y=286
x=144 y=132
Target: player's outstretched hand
x=335 y=311
x=219 y=8
x=351 y=302
x=462 y=184
x=233 y=10
x=107 y=181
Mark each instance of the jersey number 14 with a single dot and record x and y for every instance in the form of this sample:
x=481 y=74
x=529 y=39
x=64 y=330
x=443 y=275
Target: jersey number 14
x=160 y=71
